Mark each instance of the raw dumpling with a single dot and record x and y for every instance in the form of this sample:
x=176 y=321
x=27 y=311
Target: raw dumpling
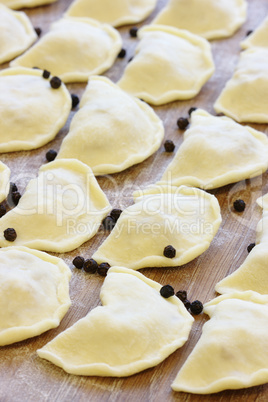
x=15 y=4
x=116 y=12
x=217 y=151
x=60 y=209
x=34 y=293
x=17 y=33
x=263 y=202
x=208 y=18
x=112 y=130
x=253 y=273
x=245 y=96
x=4 y=181
x=74 y=49
x=258 y=38
x=34 y=112
x=185 y=218
x=232 y=352
x=136 y=328
x=169 y=64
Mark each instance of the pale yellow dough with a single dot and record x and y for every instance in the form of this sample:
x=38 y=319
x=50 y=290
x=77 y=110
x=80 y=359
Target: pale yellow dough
x=112 y=130
x=116 y=12
x=185 y=59
x=232 y=352
x=16 y=4
x=16 y=33
x=4 y=181
x=34 y=293
x=60 y=209
x=245 y=96
x=134 y=329
x=186 y=218
x=74 y=49
x=208 y=18
x=217 y=151
x=258 y=38
x=34 y=112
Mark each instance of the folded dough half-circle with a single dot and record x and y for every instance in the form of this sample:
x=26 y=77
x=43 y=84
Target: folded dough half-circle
x=217 y=151
x=208 y=18
x=185 y=218
x=169 y=64
x=16 y=33
x=34 y=112
x=60 y=209
x=34 y=293
x=134 y=329
x=115 y=13
x=112 y=130
x=74 y=49
x=16 y=4
x=258 y=38
x=232 y=351
x=4 y=181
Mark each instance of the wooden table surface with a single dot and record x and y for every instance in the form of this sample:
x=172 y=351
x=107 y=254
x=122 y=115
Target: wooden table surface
x=26 y=377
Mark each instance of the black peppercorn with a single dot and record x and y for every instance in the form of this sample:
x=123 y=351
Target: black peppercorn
x=108 y=223
x=187 y=304
x=13 y=187
x=196 y=307
x=239 y=205
x=182 y=295
x=250 y=247
x=46 y=74
x=78 y=262
x=55 y=82
x=51 y=155
x=103 y=268
x=38 y=31
x=16 y=196
x=10 y=234
x=130 y=59
x=133 y=32
x=122 y=53
x=249 y=32
x=182 y=123
x=75 y=100
x=169 y=146
x=191 y=110
x=90 y=266
x=115 y=214
x=169 y=251
x=3 y=210
x=167 y=291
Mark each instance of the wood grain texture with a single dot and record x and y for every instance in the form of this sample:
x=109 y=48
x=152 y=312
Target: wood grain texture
x=26 y=377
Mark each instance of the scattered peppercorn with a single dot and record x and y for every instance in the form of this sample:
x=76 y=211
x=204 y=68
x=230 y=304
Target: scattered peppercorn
x=169 y=251
x=115 y=213
x=51 y=155
x=13 y=187
x=10 y=234
x=78 y=262
x=108 y=223
x=36 y=68
x=187 y=304
x=75 y=100
x=133 y=32
x=90 y=266
x=182 y=295
x=169 y=146
x=3 y=210
x=239 y=205
x=103 y=268
x=46 y=74
x=249 y=32
x=38 y=31
x=16 y=196
x=122 y=53
x=55 y=82
x=130 y=59
x=196 y=307
x=191 y=110
x=167 y=291
x=250 y=247
x=182 y=123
